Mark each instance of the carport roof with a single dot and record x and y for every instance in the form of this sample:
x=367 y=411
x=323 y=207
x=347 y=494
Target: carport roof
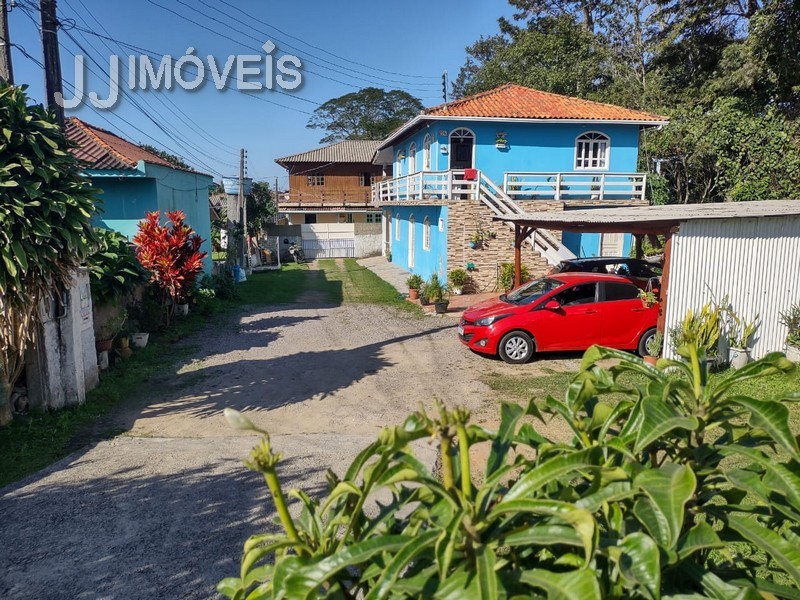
x=651 y=219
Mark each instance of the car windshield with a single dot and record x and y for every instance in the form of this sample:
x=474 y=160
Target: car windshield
x=532 y=291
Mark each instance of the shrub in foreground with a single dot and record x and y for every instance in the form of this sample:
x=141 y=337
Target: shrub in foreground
x=673 y=487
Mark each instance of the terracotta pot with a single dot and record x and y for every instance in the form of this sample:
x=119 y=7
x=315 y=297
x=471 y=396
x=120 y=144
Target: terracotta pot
x=650 y=360
x=125 y=353
x=104 y=345
x=413 y=294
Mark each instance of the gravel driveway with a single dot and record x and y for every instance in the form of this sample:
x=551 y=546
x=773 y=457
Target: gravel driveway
x=162 y=511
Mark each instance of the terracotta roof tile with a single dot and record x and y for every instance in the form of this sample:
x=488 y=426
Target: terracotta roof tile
x=518 y=102
x=104 y=150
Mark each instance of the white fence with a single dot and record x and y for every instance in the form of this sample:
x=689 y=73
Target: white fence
x=565 y=186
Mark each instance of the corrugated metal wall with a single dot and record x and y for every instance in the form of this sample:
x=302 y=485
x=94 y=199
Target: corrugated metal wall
x=755 y=262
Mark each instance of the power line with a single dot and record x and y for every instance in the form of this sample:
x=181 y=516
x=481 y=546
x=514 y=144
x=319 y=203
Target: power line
x=227 y=37
x=205 y=135
x=417 y=86
x=265 y=24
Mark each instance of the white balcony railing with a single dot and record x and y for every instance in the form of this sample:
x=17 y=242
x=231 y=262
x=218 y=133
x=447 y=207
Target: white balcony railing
x=448 y=185
x=425 y=185
x=575 y=186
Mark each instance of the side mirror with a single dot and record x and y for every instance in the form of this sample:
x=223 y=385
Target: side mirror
x=552 y=305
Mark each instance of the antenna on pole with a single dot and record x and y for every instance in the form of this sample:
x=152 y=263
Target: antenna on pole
x=444 y=86
x=6 y=69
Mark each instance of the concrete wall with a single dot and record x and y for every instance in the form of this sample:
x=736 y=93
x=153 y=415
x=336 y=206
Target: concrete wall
x=543 y=147
x=368 y=239
x=61 y=365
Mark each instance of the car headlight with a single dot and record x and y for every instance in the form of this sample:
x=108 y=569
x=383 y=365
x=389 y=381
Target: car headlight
x=486 y=321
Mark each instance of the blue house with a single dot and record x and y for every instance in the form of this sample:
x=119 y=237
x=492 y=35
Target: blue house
x=135 y=181
x=507 y=151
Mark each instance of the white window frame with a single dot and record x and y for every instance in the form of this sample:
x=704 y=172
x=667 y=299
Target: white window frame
x=412 y=158
x=426 y=234
x=426 y=152
x=411 y=241
x=397 y=227
x=316 y=180
x=592 y=151
x=399 y=163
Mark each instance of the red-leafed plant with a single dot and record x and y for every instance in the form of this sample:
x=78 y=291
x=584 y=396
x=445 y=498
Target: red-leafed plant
x=171 y=253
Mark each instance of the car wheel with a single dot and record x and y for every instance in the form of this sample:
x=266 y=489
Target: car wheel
x=516 y=347
x=648 y=335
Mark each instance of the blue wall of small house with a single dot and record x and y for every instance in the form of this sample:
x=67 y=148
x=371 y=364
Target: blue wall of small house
x=426 y=262
x=128 y=195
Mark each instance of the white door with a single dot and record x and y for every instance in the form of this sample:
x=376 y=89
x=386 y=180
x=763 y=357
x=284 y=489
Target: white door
x=612 y=244
x=411 y=243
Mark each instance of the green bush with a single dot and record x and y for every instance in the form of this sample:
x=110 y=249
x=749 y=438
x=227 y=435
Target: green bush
x=433 y=290
x=791 y=318
x=506 y=277
x=223 y=285
x=668 y=488
x=113 y=268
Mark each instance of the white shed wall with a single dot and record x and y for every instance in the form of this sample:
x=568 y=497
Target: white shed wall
x=755 y=262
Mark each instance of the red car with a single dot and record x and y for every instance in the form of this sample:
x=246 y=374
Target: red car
x=563 y=312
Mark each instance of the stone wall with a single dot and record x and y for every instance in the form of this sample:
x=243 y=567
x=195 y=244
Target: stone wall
x=465 y=217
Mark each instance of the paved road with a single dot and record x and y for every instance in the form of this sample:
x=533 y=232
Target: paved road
x=162 y=511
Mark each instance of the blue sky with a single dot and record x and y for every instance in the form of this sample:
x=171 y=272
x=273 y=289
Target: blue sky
x=416 y=38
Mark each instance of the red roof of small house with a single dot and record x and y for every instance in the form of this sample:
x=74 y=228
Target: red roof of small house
x=103 y=150
x=512 y=101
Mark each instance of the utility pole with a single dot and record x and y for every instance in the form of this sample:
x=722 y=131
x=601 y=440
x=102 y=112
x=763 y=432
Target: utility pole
x=275 y=202
x=6 y=70
x=52 y=59
x=243 y=209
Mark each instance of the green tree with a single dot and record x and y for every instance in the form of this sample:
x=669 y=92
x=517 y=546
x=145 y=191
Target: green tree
x=45 y=208
x=167 y=156
x=534 y=57
x=369 y=114
x=261 y=208
x=730 y=151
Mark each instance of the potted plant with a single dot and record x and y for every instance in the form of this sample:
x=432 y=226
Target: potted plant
x=108 y=330
x=500 y=141
x=414 y=283
x=475 y=239
x=740 y=333
x=654 y=347
x=791 y=318
x=458 y=279
x=437 y=294
x=123 y=341
x=147 y=316
x=648 y=298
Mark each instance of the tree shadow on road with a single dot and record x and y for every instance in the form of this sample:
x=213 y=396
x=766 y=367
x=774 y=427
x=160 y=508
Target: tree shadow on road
x=131 y=534
x=271 y=383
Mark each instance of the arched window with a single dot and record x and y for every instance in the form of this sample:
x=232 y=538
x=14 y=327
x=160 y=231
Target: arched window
x=426 y=234
x=397 y=226
x=591 y=151
x=412 y=158
x=426 y=153
x=399 y=169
